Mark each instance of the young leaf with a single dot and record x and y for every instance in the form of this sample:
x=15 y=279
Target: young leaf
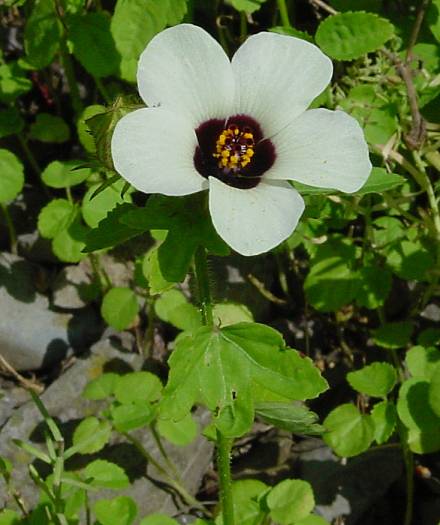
x=12 y=176
x=158 y=519
x=131 y=416
x=119 y=307
x=9 y=517
x=49 y=128
x=55 y=217
x=138 y=386
x=379 y=181
x=118 y=511
x=42 y=34
x=64 y=174
x=91 y=435
x=384 y=416
x=248 y=6
x=102 y=387
x=173 y=307
x=349 y=432
x=11 y=122
x=347 y=36
x=215 y=366
x=376 y=380
x=393 y=335
x=422 y=362
x=417 y=415
x=434 y=391
x=106 y=475
x=93 y=44
x=290 y=500
x=68 y=243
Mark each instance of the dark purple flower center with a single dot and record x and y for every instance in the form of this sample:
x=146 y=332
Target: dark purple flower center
x=233 y=151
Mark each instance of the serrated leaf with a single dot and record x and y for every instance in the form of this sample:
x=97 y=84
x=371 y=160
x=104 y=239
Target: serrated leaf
x=138 y=386
x=64 y=174
x=68 y=244
x=291 y=31
x=102 y=387
x=376 y=380
x=384 y=416
x=55 y=217
x=248 y=6
x=96 y=208
x=290 y=500
x=135 y=22
x=12 y=176
x=417 y=415
x=42 y=34
x=173 y=307
x=49 y=128
x=393 y=335
x=374 y=287
x=91 y=435
x=410 y=260
x=349 y=432
x=119 y=307
x=93 y=44
x=13 y=83
x=118 y=511
x=106 y=475
x=295 y=418
x=215 y=366
x=350 y=35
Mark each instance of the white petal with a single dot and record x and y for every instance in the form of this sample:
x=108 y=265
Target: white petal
x=153 y=149
x=183 y=68
x=253 y=221
x=277 y=78
x=322 y=148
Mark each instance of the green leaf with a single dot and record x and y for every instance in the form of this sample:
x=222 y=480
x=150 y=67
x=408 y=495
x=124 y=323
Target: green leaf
x=84 y=133
x=11 y=122
x=375 y=380
x=434 y=391
x=119 y=307
x=410 y=260
x=13 y=83
x=357 y=5
x=433 y=18
x=291 y=31
x=349 y=35
x=293 y=417
x=42 y=34
x=218 y=366
x=332 y=281
x=384 y=416
x=117 y=511
x=225 y=314
x=95 y=209
x=379 y=181
x=106 y=475
x=158 y=519
x=290 y=500
x=68 y=244
x=248 y=6
x=349 y=432
x=64 y=174
x=173 y=307
x=181 y=433
x=102 y=387
x=375 y=285
x=134 y=24
x=393 y=335
x=131 y=416
x=93 y=44
x=12 y=176
x=110 y=231
x=417 y=415
x=151 y=271
x=422 y=362
x=49 y=128
x=9 y=517
x=138 y=386
x=235 y=420
x=313 y=519
x=91 y=435
x=55 y=217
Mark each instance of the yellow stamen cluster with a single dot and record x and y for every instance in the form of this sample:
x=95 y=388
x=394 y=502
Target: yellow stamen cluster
x=234 y=148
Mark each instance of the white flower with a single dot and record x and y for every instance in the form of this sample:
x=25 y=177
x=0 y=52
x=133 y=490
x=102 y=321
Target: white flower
x=239 y=129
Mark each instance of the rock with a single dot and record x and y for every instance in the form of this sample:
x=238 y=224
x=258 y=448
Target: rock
x=64 y=402
x=32 y=336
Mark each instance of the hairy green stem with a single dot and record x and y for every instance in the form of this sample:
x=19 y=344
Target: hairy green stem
x=284 y=14
x=11 y=228
x=224 y=444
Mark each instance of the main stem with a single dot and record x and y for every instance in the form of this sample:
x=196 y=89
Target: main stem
x=224 y=444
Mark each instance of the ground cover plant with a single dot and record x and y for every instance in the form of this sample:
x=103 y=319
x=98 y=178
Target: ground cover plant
x=289 y=147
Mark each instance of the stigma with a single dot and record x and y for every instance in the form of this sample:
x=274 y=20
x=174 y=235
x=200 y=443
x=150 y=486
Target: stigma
x=234 y=148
